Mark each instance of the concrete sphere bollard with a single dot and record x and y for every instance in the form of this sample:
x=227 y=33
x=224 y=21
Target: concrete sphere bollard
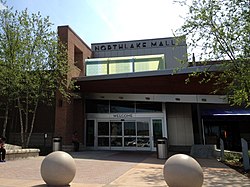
x=58 y=169
x=181 y=170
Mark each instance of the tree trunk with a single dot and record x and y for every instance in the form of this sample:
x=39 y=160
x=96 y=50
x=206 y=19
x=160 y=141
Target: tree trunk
x=5 y=119
x=26 y=126
x=32 y=124
x=21 y=122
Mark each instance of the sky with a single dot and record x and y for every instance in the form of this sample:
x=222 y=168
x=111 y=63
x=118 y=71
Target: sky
x=97 y=21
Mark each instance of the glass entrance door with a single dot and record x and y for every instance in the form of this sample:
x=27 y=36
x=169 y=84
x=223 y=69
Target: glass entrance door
x=103 y=136
x=136 y=135
x=129 y=135
x=157 y=131
x=124 y=135
x=116 y=134
x=142 y=134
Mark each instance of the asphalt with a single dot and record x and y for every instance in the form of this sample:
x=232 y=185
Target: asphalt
x=115 y=169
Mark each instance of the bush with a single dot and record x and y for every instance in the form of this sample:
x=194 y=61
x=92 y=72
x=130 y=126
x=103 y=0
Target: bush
x=232 y=157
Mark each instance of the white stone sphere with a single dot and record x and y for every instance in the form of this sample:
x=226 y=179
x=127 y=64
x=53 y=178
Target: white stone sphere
x=58 y=169
x=181 y=170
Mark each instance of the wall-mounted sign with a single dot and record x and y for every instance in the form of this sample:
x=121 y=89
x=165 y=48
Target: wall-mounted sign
x=138 y=44
x=122 y=116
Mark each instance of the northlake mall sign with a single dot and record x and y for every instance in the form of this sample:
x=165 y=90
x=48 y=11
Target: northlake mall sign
x=138 y=44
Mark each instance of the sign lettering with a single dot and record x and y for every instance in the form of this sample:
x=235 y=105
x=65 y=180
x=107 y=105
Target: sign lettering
x=167 y=42
x=122 y=115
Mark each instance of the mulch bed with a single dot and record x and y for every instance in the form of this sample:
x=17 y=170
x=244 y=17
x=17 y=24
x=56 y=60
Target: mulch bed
x=238 y=166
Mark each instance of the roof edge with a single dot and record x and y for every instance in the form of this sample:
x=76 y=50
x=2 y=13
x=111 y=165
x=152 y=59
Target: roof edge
x=69 y=28
x=188 y=70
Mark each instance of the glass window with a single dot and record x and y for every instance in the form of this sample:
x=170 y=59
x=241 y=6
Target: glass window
x=97 y=106
x=117 y=65
x=130 y=142
x=103 y=128
x=143 y=142
x=142 y=129
x=117 y=142
x=149 y=63
x=122 y=107
x=128 y=64
x=129 y=129
x=148 y=107
x=116 y=128
x=103 y=141
x=96 y=67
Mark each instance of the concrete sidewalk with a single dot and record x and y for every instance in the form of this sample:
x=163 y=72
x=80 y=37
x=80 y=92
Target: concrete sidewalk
x=113 y=169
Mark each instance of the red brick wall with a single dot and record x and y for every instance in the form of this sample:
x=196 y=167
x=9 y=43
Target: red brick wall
x=78 y=118
x=69 y=116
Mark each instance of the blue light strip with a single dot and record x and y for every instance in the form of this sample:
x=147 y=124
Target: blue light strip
x=226 y=112
x=233 y=114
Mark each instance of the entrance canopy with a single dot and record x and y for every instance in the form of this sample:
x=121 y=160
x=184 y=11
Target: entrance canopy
x=226 y=112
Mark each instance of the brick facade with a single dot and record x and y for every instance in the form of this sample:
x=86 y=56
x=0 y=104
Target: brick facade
x=69 y=116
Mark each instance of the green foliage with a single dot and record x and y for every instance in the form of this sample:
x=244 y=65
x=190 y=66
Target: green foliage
x=232 y=157
x=220 y=29
x=32 y=60
x=33 y=64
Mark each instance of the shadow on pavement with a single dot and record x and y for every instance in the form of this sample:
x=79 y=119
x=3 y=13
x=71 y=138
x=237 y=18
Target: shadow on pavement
x=121 y=156
x=224 y=177
x=218 y=174
x=211 y=163
x=45 y=185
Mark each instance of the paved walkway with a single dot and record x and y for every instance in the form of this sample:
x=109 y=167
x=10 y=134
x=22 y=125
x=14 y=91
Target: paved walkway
x=114 y=169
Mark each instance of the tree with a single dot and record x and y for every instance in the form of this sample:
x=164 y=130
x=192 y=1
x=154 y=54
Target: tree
x=33 y=66
x=220 y=29
x=8 y=46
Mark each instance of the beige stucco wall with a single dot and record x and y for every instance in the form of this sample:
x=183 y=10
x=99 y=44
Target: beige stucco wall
x=180 y=127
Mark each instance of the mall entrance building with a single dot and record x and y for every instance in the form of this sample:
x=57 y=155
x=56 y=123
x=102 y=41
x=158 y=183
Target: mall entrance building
x=133 y=92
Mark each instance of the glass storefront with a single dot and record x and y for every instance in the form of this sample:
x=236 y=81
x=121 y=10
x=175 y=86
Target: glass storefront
x=125 y=125
x=122 y=135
